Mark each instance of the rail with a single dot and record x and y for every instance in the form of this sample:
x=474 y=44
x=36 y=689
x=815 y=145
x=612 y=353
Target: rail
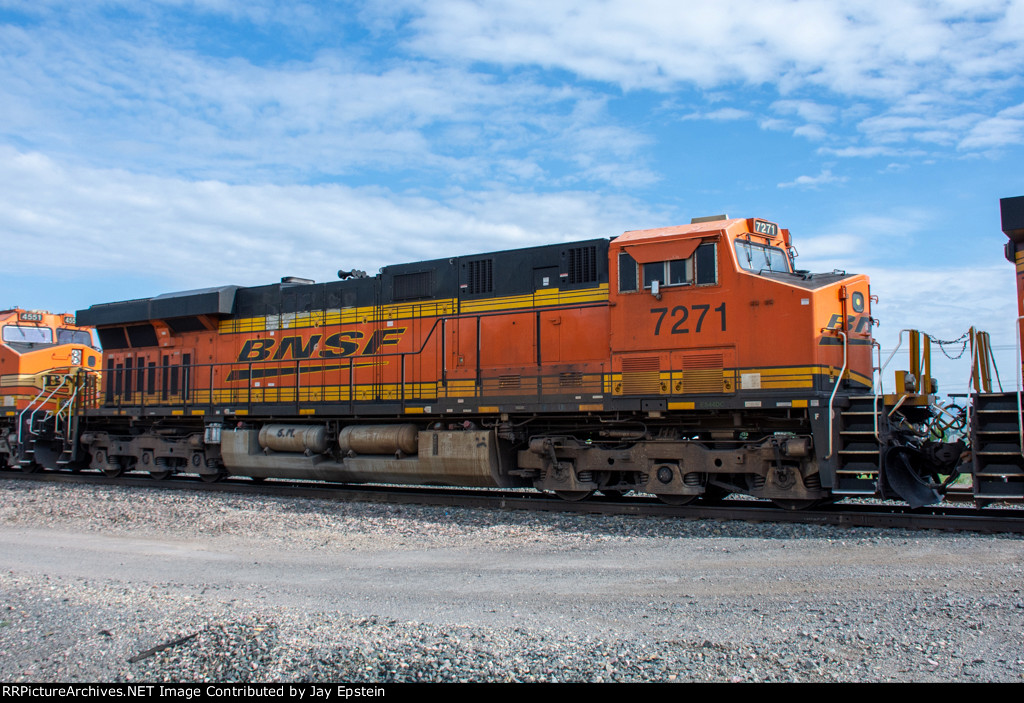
x=464 y=382
x=294 y=385
x=68 y=405
x=844 y=514
x=1020 y=411
x=981 y=377
x=881 y=369
x=31 y=418
x=982 y=362
x=835 y=389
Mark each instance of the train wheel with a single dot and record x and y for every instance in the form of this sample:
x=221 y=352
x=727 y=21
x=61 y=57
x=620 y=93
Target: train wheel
x=574 y=496
x=676 y=499
x=113 y=471
x=211 y=478
x=793 y=504
x=160 y=475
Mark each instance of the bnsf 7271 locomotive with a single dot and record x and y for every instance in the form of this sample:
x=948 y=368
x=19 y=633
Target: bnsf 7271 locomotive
x=684 y=362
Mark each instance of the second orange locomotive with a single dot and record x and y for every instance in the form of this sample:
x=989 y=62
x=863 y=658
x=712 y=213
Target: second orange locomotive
x=45 y=365
x=685 y=362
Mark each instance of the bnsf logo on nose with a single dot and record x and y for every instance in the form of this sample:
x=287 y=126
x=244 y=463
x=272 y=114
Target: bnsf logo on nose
x=340 y=344
x=854 y=323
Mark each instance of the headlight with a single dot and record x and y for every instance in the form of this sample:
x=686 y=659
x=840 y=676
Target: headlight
x=76 y=357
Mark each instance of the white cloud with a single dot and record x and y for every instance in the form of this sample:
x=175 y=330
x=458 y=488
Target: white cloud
x=177 y=234
x=823 y=178
x=961 y=55
x=868 y=152
x=935 y=126
x=725 y=114
x=813 y=132
x=851 y=48
x=807 y=110
x=1005 y=129
x=427 y=98
x=152 y=107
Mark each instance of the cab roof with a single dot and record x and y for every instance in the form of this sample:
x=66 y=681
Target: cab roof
x=699 y=229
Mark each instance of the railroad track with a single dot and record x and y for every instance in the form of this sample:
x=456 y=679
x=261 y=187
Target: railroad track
x=855 y=514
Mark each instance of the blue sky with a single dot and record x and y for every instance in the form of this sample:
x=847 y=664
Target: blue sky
x=176 y=144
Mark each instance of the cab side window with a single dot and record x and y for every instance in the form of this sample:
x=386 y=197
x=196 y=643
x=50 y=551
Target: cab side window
x=701 y=269
x=627 y=273
x=707 y=264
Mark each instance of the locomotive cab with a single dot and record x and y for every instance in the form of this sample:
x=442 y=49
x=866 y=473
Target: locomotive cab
x=713 y=325
x=723 y=296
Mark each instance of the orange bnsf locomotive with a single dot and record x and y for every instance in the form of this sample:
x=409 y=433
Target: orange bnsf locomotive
x=685 y=362
x=44 y=363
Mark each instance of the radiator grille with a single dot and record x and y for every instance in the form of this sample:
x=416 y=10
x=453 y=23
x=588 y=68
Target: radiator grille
x=702 y=373
x=641 y=375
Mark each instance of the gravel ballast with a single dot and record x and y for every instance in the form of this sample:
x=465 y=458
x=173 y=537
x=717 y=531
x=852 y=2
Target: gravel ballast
x=283 y=589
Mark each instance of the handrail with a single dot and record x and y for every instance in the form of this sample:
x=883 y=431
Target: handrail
x=835 y=389
x=973 y=380
x=31 y=417
x=881 y=368
x=979 y=377
x=1020 y=411
x=21 y=415
x=68 y=404
x=899 y=343
x=876 y=387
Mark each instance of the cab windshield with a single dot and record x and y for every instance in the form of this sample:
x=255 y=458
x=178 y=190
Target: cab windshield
x=759 y=257
x=20 y=334
x=66 y=336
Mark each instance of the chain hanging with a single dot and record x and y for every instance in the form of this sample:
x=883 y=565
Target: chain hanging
x=962 y=340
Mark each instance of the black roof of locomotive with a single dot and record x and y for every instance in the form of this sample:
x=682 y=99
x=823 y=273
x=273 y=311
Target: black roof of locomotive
x=202 y=301
x=512 y=273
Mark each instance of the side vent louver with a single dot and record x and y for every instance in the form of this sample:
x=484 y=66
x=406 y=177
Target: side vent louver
x=509 y=381
x=570 y=379
x=583 y=265
x=480 y=277
x=412 y=286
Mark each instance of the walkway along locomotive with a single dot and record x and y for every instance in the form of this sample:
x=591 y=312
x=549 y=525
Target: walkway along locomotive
x=685 y=362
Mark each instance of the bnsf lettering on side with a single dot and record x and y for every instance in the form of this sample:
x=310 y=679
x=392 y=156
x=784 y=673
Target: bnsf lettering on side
x=340 y=344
